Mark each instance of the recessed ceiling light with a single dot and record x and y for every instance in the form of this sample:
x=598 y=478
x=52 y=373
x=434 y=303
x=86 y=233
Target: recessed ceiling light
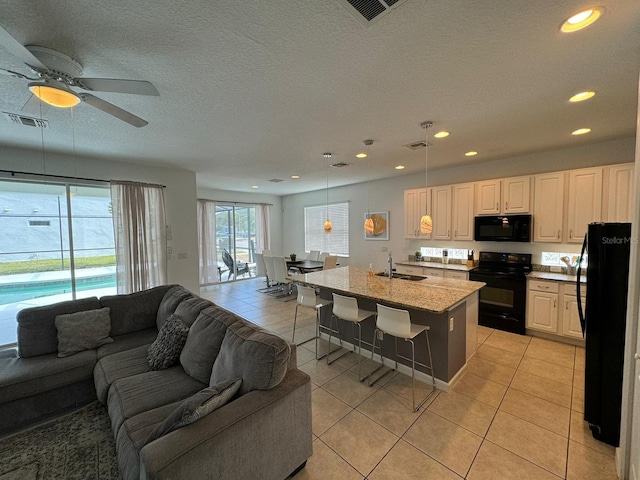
x=581 y=19
x=295 y=176
x=581 y=131
x=582 y=96
x=470 y=154
x=361 y=155
x=442 y=134
x=254 y=186
x=399 y=167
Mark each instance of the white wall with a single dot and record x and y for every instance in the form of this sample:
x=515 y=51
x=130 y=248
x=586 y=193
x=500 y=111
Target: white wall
x=180 y=197
x=388 y=194
x=276 y=209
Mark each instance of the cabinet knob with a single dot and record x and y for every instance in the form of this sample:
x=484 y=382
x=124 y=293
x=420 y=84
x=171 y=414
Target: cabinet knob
x=497 y=206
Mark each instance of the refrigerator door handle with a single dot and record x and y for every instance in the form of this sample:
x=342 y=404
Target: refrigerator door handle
x=579 y=297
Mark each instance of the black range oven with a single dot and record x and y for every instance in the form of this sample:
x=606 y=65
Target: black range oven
x=502 y=301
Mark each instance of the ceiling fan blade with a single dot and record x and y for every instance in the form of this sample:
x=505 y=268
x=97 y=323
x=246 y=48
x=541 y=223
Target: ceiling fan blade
x=34 y=107
x=17 y=49
x=11 y=73
x=138 y=87
x=111 y=109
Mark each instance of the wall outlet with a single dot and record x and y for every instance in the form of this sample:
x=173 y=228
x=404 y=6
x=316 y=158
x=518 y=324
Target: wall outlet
x=451 y=324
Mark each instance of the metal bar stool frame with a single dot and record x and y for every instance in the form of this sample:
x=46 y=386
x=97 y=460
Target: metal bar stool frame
x=397 y=323
x=346 y=308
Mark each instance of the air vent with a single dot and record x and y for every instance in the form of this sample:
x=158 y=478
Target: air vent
x=27 y=121
x=370 y=11
x=415 y=145
x=340 y=165
x=276 y=180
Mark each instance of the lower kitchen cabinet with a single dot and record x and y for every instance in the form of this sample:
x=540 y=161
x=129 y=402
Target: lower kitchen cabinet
x=552 y=308
x=432 y=272
x=456 y=274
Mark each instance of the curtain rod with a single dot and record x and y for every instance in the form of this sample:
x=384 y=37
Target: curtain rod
x=236 y=203
x=13 y=173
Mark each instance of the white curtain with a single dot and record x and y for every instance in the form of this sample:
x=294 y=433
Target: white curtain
x=207 y=242
x=263 y=232
x=140 y=231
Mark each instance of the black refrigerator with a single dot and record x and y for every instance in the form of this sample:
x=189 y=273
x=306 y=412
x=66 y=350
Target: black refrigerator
x=603 y=324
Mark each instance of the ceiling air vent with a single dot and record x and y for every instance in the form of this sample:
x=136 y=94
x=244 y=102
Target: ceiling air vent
x=27 y=121
x=276 y=180
x=370 y=11
x=415 y=145
x=340 y=165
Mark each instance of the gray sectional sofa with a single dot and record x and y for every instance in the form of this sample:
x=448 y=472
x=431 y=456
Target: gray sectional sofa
x=264 y=431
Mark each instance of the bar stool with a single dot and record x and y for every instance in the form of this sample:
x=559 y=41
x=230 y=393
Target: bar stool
x=307 y=298
x=346 y=308
x=397 y=323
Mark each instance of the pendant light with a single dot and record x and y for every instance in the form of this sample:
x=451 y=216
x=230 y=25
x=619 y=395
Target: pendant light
x=426 y=223
x=368 y=222
x=328 y=227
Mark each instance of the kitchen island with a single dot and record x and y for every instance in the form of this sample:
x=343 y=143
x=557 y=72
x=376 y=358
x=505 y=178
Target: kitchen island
x=448 y=306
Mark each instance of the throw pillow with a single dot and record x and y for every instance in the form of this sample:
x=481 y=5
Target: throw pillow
x=83 y=331
x=165 y=350
x=195 y=407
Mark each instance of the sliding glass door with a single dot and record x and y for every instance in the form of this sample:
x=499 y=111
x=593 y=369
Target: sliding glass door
x=56 y=244
x=235 y=241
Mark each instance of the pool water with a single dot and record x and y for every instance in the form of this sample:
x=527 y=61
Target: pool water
x=22 y=292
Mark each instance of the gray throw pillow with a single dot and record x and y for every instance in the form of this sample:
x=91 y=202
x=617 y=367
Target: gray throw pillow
x=83 y=331
x=195 y=407
x=165 y=350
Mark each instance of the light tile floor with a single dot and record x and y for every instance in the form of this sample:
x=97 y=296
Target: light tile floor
x=515 y=414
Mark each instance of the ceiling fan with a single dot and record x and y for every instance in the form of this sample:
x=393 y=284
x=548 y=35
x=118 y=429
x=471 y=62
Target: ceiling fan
x=56 y=74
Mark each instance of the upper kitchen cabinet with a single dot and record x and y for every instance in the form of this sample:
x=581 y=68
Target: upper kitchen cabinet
x=415 y=202
x=506 y=196
x=463 y=211
x=585 y=202
x=548 y=202
x=441 y=212
x=618 y=193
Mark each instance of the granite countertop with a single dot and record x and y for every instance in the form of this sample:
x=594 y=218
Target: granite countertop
x=448 y=266
x=558 y=277
x=434 y=294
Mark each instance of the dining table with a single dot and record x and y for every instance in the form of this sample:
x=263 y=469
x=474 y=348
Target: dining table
x=305 y=266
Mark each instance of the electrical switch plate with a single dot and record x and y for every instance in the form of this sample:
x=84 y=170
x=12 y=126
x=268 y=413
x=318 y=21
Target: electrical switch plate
x=451 y=324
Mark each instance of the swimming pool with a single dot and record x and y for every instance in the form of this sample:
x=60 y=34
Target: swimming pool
x=26 y=291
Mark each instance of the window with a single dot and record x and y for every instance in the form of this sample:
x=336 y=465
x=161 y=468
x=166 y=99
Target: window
x=336 y=242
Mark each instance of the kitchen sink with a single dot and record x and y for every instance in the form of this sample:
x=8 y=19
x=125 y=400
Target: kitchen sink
x=402 y=276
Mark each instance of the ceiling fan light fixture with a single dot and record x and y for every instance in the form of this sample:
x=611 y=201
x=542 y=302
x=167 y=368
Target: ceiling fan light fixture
x=55 y=95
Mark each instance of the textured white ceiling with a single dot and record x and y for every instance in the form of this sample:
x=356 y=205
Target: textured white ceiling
x=256 y=90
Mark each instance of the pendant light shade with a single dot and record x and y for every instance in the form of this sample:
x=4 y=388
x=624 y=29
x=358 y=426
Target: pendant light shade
x=328 y=227
x=368 y=226
x=368 y=222
x=426 y=223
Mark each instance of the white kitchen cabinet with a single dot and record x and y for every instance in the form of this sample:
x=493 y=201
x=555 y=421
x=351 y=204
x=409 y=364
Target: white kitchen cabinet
x=441 y=207
x=415 y=202
x=542 y=306
x=507 y=196
x=463 y=211
x=456 y=274
x=433 y=272
x=585 y=202
x=409 y=270
x=618 y=193
x=548 y=202
x=570 y=318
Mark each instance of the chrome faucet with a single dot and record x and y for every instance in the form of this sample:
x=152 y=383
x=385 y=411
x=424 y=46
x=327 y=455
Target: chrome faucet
x=390 y=260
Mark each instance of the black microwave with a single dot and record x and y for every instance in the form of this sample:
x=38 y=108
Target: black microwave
x=503 y=228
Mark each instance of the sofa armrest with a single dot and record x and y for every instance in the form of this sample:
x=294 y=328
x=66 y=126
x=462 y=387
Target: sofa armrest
x=263 y=434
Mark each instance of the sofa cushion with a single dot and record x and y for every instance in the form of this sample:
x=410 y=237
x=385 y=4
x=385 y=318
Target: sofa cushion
x=165 y=350
x=23 y=377
x=138 y=393
x=196 y=406
x=204 y=342
x=134 y=311
x=169 y=303
x=128 y=341
x=258 y=357
x=133 y=435
x=189 y=309
x=37 y=333
x=83 y=331
x=119 y=365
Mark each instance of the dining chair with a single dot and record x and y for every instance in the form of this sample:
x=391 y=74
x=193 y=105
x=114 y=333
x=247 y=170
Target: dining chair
x=261 y=271
x=396 y=322
x=280 y=270
x=313 y=255
x=271 y=273
x=322 y=256
x=330 y=262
